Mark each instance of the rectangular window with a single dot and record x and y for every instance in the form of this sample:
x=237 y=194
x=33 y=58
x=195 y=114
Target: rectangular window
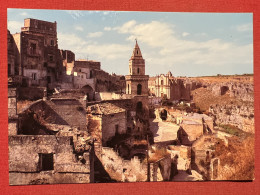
x=45 y=162
x=32 y=48
x=34 y=76
x=51 y=59
x=52 y=42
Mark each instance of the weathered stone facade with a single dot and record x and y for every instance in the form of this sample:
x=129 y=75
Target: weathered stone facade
x=38 y=156
x=110 y=120
x=12 y=111
x=39 y=57
x=28 y=153
x=169 y=87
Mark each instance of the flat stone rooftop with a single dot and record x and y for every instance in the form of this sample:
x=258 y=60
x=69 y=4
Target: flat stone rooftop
x=163 y=131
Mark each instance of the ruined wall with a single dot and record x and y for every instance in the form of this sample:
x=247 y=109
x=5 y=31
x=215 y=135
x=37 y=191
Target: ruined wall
x=24 y=161
x=184 y=156
x=94 y=127
x=111 y=123
x=106 y=82
x=65 y=108
x=180 y=89
x=12 y=112
x=59 y=111
x=123 y=170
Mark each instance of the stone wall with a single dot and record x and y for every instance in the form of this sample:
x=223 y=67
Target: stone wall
x=12 y=112
x=107 y=96
x=30 y=93
x=111 y=123
x=25 y=161
x=123 y=170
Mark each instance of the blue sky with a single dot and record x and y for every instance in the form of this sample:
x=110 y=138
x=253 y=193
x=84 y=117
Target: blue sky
x=187 y=44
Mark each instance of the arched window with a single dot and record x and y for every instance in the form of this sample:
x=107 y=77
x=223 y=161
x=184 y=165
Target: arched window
x=161 y=82
x=128 y=89
x=138 y=70
x=130 y=70
x=139 y=89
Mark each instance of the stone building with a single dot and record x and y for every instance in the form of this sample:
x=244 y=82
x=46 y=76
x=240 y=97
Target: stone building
x=137 y=81
x=106 y=120
x=169 y=87
x=39 y=57
x=163 y=85
x=68 y=59
x=48 y=146
x=12 y=52
x=83 y=76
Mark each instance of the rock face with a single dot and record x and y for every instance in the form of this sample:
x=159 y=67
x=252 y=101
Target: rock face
x=242 y=91
x=230 y=99
x=240 y=116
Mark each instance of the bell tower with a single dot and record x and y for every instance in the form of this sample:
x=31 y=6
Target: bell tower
x=137 y=81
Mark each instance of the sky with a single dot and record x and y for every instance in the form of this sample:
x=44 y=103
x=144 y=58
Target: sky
x=187 y=44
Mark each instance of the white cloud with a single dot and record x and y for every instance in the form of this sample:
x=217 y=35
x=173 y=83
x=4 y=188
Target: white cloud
x=75 y=14
x=83 y=48
x=107 y=28
x=165 y=47
x=14 y=26
x=126 y=27
x=79 y=28
x=24 y=14
x=163 y=50
x=109 y=51
x=71 y=42
x=244 y=27
x=184 y=34
x=95 y=34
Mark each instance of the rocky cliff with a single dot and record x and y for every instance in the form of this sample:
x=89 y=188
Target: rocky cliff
x=230 y=99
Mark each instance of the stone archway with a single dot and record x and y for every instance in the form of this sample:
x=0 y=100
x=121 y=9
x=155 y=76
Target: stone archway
x=89 y=92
